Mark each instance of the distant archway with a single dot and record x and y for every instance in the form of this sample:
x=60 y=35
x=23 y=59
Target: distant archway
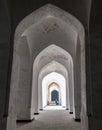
x=57 y=67
x=54 y=93
x=57 y=82
x=58 y=54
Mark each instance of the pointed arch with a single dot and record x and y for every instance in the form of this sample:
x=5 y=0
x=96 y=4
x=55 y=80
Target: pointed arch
x=57 y=67
x=48 y=80
x=58 y=54
x=66 y=29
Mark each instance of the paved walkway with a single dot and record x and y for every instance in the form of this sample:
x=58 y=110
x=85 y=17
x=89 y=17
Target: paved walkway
x=51 y=120
x=54 y=108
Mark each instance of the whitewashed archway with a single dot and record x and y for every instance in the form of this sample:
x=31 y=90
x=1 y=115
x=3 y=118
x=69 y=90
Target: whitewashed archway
x=57 y=78
x=52 y=67
x=45 y=26
x=54 y=87
x=52 y=53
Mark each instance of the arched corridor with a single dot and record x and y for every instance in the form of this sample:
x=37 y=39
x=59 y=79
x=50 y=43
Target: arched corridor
x=54 y=81
x=54 y=93
x=53 y=46
x=40 y=42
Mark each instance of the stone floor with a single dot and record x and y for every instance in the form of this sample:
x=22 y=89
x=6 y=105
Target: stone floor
x=54 y=108
x=51 y=120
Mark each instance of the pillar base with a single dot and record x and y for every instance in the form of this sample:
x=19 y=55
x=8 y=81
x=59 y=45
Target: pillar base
x=11 y=123
x=36 y=113
x=77 y=120
x=18 y=121
x=70 y=112
x=41 y=109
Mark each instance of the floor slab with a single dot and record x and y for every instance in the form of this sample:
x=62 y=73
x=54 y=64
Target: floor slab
x=51 y=120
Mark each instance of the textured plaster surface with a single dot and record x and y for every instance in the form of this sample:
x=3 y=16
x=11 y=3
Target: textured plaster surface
x=51 y=120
